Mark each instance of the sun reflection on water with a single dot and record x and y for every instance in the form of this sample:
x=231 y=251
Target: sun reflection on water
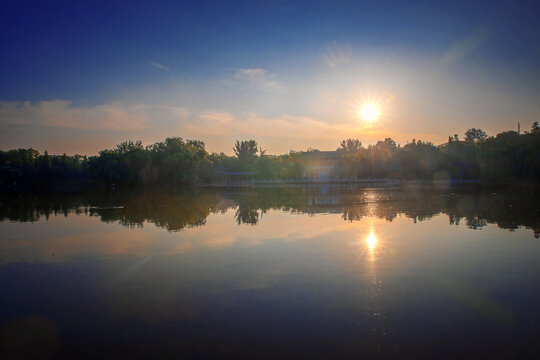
x=371 y=241
x=371 y=244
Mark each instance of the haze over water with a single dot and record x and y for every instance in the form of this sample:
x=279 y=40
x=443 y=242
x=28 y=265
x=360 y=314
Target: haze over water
x=290 y=272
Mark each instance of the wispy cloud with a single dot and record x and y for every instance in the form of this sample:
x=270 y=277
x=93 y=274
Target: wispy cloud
x=252 y=124
x=65 y=114
x=465 y=46
x=159 y=66
x=216 y=117
x=259 y=78
x=251 y=73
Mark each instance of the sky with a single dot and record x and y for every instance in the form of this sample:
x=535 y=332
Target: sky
x=82 y=76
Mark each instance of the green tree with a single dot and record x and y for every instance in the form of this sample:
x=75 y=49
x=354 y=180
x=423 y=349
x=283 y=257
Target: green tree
x=245 y=150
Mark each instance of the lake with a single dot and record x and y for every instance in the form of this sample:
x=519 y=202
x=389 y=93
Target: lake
x=286 y=272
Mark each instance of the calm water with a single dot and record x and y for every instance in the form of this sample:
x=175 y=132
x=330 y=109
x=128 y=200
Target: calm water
x=321 y=272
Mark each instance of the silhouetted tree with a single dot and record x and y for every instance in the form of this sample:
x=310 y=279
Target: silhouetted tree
x=475 y=135
x=350 y=146
x=535 y=127
x=127 y=146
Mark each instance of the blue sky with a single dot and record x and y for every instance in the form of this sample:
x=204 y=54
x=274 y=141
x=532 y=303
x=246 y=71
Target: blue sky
x=78 y=77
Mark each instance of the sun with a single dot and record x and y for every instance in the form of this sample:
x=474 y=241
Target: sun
x=370 y=112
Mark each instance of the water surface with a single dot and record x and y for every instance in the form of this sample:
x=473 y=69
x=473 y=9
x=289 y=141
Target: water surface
x=294 y=272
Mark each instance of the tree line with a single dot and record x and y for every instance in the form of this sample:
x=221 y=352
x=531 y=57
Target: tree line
x=508 y=156
x=505 y=157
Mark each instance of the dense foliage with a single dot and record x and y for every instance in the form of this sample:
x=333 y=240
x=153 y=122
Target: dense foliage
x=508 y=156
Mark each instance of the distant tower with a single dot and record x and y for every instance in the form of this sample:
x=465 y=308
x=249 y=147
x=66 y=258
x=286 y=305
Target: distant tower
x=519 y=128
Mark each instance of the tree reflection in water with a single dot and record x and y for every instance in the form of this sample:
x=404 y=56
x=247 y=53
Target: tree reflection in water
x=509 y=208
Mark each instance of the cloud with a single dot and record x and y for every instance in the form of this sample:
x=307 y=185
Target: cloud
x=159 y=66
x=216 y=117
x=65 y=114
x=258 y=78
x=255 y=125
x=251 y=73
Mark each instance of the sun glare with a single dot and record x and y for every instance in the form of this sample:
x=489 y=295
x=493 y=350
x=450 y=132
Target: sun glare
x=370 y=112
x=371 y=241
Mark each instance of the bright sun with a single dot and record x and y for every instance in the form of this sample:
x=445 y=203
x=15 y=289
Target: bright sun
x=370 y=112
